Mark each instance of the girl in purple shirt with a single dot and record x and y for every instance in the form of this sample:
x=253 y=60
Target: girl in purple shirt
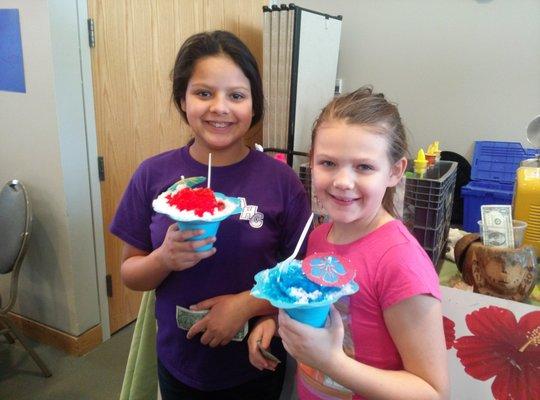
x=217 y=89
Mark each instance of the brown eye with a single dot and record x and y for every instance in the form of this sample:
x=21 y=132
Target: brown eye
x=203 y=93
x=237 y=96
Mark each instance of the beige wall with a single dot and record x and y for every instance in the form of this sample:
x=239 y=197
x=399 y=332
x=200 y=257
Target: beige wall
x=461 y=70
x=43 y=143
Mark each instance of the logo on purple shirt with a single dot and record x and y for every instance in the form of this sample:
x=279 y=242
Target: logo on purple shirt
x=250 y=213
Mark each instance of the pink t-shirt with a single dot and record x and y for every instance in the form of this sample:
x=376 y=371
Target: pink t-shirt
x=391 y=267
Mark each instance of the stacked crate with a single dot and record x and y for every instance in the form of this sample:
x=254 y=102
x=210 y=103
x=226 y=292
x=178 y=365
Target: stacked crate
x=493 y=175
x=427 y=206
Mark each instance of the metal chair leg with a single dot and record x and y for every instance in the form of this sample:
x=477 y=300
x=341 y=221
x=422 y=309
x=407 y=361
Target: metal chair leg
x=9 y=338
x=33 y=354
x=5 y=331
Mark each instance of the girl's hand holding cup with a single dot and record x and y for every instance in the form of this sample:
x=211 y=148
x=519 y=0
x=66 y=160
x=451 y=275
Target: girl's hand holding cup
x=178 y=253
x=312 y=346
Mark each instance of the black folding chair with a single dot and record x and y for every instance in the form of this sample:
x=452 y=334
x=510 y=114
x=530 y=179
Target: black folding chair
x=15 y=227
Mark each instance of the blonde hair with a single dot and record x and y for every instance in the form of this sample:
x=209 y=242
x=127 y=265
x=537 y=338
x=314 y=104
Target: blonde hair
x=363 y=107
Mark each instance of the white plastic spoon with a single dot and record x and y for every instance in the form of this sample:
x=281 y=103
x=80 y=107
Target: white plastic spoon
x=284 y=264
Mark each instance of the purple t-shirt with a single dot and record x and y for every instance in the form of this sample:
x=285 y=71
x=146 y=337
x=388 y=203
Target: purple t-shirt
x=275 y=212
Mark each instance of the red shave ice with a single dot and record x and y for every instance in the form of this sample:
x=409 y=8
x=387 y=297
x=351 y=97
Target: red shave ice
x=198 y=200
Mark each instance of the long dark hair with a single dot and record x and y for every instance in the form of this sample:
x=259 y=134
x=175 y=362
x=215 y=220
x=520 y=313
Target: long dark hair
x=214 y=43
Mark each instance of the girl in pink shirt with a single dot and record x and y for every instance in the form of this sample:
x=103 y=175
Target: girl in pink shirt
x=387 y=340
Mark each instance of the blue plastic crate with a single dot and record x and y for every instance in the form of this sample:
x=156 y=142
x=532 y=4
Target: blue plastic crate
x=493 y=175
x=498 y=161
x=477 y=193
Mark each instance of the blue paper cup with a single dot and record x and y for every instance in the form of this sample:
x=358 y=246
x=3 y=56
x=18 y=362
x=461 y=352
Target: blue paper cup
x=210 y=228
x=314 y=316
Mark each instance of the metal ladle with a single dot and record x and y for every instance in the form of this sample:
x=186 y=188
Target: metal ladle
x=533 y=137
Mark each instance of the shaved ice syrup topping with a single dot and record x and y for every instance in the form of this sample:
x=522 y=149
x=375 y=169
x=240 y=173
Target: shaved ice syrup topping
x=182 y=202
x=198 y=200
x=329 y=277
x=307 y=297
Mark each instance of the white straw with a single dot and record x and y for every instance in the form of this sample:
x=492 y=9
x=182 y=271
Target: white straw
x=209 y=169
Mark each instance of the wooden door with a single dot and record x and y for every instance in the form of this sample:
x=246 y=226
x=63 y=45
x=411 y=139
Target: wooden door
x=136 y=45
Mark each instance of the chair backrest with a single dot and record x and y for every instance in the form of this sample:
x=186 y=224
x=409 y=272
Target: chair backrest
x=15 y=225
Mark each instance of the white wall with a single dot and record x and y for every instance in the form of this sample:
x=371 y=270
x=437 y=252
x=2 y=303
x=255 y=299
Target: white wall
x=460 y=70
x=43 y=143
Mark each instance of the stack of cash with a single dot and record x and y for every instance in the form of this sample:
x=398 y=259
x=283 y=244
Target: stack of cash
x=497 y=229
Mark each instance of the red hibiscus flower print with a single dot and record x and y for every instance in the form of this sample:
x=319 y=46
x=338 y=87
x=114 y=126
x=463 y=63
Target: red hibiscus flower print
x=449 y=332
x=503 y=348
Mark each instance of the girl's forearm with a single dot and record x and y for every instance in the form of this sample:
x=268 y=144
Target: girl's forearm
x=143 y=272
x=375 y=383
x=256 y=307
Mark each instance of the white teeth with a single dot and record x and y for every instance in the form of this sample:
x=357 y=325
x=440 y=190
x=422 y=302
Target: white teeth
x=218 y=124
x=343 y=199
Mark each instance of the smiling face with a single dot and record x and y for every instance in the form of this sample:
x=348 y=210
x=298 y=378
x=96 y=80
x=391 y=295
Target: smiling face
x=218 y=106
x=351 y=172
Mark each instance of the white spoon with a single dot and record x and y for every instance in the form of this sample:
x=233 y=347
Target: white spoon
x=284 y=264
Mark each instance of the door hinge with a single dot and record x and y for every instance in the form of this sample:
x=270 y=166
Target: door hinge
x=91 y=32
x=108 y=280
x=101 y=168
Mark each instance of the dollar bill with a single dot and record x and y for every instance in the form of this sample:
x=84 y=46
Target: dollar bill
x=266 y=354
x=186 y=318
x=497 y=229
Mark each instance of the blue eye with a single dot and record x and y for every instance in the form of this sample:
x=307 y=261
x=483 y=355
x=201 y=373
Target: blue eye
x=365 y=167
x=326 y=163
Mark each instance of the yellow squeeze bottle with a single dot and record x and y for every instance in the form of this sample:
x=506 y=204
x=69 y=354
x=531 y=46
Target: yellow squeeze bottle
x=437 y=151
x=420 y=163
x=430 y=156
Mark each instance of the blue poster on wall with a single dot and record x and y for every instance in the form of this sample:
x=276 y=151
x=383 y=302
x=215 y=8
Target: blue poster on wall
x=11 y=57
